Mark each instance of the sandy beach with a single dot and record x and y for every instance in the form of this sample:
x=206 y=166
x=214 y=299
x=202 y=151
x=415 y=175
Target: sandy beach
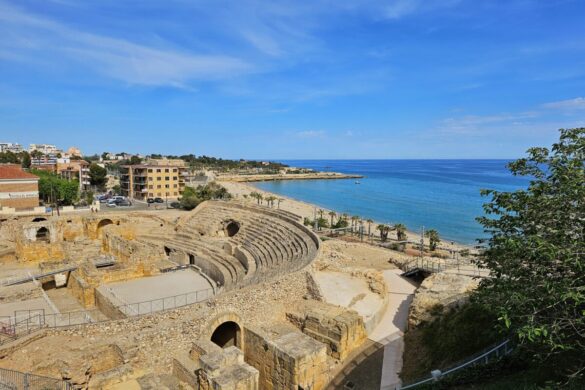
x=304 y=209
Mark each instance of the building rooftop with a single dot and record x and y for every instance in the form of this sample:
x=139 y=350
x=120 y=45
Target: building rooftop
x=12 y=171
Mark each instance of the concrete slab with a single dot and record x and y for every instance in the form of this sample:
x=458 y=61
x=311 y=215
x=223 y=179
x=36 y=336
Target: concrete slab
x=160 y=286
x=21 y=308
x=345 y=290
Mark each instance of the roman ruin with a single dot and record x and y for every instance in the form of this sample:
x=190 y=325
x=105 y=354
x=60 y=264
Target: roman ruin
x=222 y=297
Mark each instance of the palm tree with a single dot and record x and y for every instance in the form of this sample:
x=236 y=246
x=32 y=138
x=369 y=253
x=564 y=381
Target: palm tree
x=369 y=222
x=280 y=200
x=260 y=199
x=434 y=239
x=354 y=219
x=321 y=212
x=400 y=231
x=384 y=229
x=332 y=214
x=270 y=200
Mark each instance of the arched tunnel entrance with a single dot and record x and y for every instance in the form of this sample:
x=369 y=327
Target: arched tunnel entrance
x=227 y=334
x=232 y=228
x=101 y=224
x=43 y=234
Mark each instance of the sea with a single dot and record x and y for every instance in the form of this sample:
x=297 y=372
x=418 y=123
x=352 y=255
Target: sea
x=435 y=194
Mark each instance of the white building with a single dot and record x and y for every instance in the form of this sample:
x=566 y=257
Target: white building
x=10 y=147
x=44 y=148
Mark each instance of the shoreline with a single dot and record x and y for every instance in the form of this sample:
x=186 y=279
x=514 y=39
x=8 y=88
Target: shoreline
x=306 y=209
x=290 y=176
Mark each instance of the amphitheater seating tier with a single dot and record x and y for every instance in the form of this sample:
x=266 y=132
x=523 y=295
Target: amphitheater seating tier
x=275 y=240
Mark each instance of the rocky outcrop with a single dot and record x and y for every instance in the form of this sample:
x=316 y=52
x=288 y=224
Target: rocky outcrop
x=438 y=293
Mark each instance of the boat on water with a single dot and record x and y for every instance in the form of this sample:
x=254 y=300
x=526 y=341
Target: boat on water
x=357 y=182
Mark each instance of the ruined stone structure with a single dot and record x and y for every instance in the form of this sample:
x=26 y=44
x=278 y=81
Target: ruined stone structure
x=80 y=269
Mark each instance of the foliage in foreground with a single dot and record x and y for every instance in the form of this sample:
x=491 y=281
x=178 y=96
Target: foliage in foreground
x=55 y=190
x=450 y=338
x=536 y=254
x=191 y=197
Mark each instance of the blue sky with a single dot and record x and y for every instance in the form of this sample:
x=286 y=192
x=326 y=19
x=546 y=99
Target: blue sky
x=293 y=79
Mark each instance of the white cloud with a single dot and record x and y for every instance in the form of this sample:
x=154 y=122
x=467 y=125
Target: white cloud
x=117 y=58
x=310 y=134
x=577 y=103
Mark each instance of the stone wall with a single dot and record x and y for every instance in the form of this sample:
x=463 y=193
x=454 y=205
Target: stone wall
x=286 y=359
x=340 y=329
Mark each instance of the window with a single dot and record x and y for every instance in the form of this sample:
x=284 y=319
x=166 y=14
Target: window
x=150 y=187
x=158 y=186
x=167 y=186
x=167 y=170
x=174 y=177
x=150 y=195
x=174 y=169
x=149 y=170
x=166 y=178
x=150 y=178
x=174 y=193
x=158 y=178
x=174 y=186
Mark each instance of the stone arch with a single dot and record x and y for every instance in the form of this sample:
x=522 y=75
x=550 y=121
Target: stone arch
x=39 y=219
x=227 y=335
x=231 y=228
x=226 y=330
x=43 y=234
x=101 y=224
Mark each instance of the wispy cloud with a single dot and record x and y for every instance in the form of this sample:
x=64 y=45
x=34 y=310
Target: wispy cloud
x=310 y=134
x=577 y=103
x=116 y=58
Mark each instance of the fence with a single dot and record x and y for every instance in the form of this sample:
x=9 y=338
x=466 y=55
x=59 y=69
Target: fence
x=439 y=265
x=14 y=380
x=27 y=321
x=484 y=357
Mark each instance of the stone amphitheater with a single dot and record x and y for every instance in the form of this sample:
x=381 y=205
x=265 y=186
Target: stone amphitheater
x=221 y=297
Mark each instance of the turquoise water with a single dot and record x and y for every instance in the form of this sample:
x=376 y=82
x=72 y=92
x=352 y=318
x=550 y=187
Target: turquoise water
x=438 y=194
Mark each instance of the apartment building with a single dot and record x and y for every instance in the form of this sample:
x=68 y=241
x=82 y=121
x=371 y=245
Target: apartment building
x=74 y=170
x=45 y=149
x=153 y=179
x=10 y=147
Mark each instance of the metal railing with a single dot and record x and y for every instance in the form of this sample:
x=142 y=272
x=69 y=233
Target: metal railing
x=15 y=380
x=440 y=265
x=484 y=357
x=27 y=321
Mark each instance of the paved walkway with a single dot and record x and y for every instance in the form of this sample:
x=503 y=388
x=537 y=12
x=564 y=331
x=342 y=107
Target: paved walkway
x=390 y=330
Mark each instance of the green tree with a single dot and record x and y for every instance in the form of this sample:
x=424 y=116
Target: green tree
x=191 y=197
x=434 y=238
x=25 y=160
x=400 y=231
x=255 y=195
x=369 y=222
x=384 y=229
x=9 y=158
x=332 y=214
x=97 y=175
x=36 y=154
x=55 y=190
x=116 y=190
x=536 y=253
x=135 y=160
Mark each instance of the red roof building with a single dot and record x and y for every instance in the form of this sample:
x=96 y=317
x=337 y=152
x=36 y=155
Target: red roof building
x=18 y=189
